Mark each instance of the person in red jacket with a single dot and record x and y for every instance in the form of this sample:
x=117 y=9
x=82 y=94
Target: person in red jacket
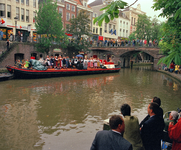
x=174 y=132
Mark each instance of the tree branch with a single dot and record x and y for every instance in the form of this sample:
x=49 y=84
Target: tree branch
x=132 y=4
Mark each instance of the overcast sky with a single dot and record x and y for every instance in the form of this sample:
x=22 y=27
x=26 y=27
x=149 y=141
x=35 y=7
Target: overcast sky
x=145 y=6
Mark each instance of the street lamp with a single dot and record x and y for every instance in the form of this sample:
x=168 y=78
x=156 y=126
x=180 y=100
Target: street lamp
x=15 y=18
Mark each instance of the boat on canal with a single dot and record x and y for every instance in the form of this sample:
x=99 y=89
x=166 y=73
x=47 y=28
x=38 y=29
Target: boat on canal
x=33 y=73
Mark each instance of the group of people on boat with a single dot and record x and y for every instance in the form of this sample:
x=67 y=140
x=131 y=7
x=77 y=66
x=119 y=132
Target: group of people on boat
x=126 y=133
x=58 y=62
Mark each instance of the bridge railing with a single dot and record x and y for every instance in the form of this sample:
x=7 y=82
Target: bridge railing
x=112 y=45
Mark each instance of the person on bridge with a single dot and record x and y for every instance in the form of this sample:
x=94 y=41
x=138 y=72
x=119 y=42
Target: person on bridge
x=1 y=34
x=112 y=139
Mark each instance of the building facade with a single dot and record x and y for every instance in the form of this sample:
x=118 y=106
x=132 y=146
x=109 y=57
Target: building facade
x=132 y=14
x=123 y=24
x=107 y=31
x=18 y=15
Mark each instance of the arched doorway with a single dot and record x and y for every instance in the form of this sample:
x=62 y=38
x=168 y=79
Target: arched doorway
x=34 y=55
x=19 y=56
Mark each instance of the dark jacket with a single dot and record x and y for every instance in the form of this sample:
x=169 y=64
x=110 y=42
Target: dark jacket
x=151 y=133
x=109 y=140
x=160 y=113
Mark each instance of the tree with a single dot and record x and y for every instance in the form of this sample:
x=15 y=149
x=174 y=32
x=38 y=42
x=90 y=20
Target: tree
x=49 y=25
x=132 y=36
x=111 y=11
x=80 y=30
x=157 y=29
x=171 y=43
x=143 y=27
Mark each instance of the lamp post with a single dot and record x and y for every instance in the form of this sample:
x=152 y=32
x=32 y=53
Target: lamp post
x=15 y=18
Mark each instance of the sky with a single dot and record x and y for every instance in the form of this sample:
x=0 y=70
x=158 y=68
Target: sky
x=145 y=6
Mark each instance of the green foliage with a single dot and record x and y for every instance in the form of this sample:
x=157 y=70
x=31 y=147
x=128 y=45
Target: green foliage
x=111 y=11
x=171 y=45
x=132 y=36
x=49 y=23
x=143 y=27
x=80 y=28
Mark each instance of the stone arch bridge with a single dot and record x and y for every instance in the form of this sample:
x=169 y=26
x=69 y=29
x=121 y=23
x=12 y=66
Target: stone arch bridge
x=125 y=53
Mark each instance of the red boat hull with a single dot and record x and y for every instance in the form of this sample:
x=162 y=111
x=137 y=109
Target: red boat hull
x=32 y=74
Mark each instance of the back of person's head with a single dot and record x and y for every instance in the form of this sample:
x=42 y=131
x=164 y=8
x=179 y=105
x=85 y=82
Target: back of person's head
x=125 y=110
x=157 y=100
x=114 y=121
x=174 y=114
x=154 y=107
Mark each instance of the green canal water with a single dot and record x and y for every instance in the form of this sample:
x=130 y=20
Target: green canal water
x=65 y=113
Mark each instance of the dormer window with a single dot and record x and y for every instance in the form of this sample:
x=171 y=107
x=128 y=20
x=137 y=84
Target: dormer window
x=95 y=15
x=85 y=4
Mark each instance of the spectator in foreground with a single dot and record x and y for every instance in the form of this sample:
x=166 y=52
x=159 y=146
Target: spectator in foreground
x=132 y=132
x=152 y=129
x=174 y=131
x=160 y=113
x=112 y=139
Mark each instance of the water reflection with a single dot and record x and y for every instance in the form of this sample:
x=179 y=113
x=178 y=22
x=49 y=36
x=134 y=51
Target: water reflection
x=65 y=113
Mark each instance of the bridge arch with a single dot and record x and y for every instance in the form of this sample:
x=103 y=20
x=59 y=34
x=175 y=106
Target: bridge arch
x=126 y=52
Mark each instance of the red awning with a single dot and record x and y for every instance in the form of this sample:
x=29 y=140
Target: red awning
x=68 y=34
x=101 y=38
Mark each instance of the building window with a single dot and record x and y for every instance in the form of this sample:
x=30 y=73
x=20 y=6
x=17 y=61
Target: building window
x=34 y=3
x=2 y=10
x=123 y=33
x=126 y=33
x=85 y=4
x=100 y=31
x=22 y=1
x=93 y=29
x=96 y=23
x=60 y=11
x=17 y=12
x=73 y=8
x=8 y=11
x=73 y=16
x=95 y=15
x=121 y=23
x=67 y=27
x=105 y=27
x=22 y=14
x=132 y=20
x=27 y=2
x=34 y=15
x=17 y=1
x=113 y=27
x=110 y=27
x=120 y=31
x=68 y=7
x=96 y=30
x=68 y=16
x=27 y=15
x=127 y=25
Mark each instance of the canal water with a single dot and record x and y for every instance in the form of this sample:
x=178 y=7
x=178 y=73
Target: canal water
x=65 y=113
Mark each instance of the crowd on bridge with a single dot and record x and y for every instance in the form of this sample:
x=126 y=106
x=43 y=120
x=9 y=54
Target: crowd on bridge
x=126 y=133
x=122 y=43
x=59 y=62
